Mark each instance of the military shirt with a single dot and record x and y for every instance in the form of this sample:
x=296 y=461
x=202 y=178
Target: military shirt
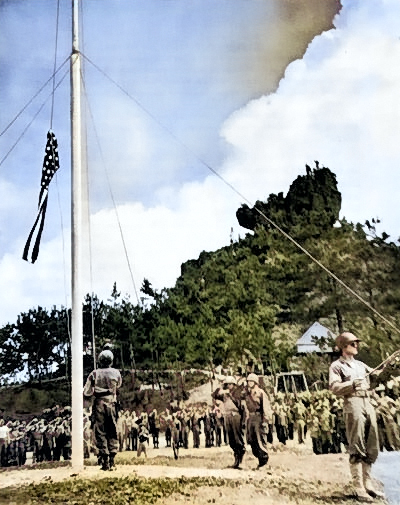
x=103 y=382
x=258 y=401
x=343 y=372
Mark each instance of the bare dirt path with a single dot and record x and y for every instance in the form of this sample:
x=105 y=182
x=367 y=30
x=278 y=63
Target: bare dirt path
x=293 y=464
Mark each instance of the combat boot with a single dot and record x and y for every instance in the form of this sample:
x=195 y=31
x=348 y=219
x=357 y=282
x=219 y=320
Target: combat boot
x=236 y=464
x=105 y=465
x=357 y=479
x=368 y=484
x=111 y=461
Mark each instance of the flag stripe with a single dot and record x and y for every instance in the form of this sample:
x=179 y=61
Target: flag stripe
x=50 y=166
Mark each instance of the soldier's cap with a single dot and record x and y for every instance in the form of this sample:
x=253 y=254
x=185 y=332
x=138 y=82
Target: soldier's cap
x=252 y=377
x=344 y=339
x=229 y=380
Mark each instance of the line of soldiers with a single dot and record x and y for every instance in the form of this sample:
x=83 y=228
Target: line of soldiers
x=47 y=437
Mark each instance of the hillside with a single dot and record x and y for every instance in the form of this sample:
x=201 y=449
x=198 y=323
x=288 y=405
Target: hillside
x=244 y=304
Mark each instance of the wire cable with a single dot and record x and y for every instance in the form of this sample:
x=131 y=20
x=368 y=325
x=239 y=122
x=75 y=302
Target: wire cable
x=268 y=220
x=112 y=197
x=33 y=97
x=55 y=64
x=31 y=121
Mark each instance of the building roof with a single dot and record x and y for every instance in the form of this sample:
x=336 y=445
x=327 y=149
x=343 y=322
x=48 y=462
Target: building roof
x=306 y=341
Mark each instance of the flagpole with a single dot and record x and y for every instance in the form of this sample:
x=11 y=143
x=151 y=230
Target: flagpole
x=76 y=247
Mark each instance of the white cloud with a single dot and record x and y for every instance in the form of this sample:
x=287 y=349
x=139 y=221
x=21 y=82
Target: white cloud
x=160 y=239
x=25 y=286
x=338 y=105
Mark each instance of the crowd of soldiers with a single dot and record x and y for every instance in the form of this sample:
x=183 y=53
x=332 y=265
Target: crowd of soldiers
x=47 y=437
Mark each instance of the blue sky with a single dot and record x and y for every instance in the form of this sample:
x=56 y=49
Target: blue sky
x=254 y=88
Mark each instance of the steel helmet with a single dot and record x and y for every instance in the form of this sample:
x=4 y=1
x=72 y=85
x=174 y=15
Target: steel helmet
x=345 y=339
x=106 y=358
x=229 y=380
x=252 y=377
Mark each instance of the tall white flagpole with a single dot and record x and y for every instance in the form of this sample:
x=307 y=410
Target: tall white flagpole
x=76 y=247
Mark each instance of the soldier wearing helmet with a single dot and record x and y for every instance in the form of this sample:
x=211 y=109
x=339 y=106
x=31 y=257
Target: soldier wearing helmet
x=234 y=414
x=348 y=379
x=102 y=385
x=259 y=417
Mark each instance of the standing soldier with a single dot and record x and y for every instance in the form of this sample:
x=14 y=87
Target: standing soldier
x=143 y=438
x=175 y=430
x=219 y=423
x=154 y=427
x=259 y=417
x=22 y=443
x=4 y=442
x=135 y=430
x=103 y=384
x=195 y=426
x=167 y=421
x=348 y=379
x=234 y=415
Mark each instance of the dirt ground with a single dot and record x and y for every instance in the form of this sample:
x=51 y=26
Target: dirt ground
x=293 y=466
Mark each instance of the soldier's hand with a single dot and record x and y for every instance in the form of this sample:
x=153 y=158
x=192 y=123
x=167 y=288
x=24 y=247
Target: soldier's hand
x=360 y=385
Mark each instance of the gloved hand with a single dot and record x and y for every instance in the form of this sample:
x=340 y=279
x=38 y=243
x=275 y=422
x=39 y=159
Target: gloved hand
x=360 y=385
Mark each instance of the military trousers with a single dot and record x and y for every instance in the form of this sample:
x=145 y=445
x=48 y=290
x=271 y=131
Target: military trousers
x=361 y=430
x=234 y=430
x=257 y=437
x=105 y=426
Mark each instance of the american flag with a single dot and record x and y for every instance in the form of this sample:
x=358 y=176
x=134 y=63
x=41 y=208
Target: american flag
x=50 y=166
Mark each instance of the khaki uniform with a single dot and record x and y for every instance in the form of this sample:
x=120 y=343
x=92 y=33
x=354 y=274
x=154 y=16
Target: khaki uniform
x=259 y=416
x=234 y=419
x=102 y=384
x=359 y=414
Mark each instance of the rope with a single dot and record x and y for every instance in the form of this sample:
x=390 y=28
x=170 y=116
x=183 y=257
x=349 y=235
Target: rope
x=33 y=97
x=54 y=87
x=31 y=121
x=55 y=65
x=328 y=271
x=112 y=196
x=82 y=40
x=268 y=220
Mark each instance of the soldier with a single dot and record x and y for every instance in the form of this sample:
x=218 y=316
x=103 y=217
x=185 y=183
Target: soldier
x=234 y=416
x=219 y=423
x=185 y=422
x=22 y=443
x=143 y=438
x=259 y=417
x=36 y=434
x=175 y=430
x=134 y=430
x=66 y=439
x=167 y=422
x=4 y=442
x=103 y=384
x=348 y=379
x=195 y=426
x=154 y=424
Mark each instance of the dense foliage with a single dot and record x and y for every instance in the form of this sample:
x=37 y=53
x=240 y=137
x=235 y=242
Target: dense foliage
x=254 y=297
